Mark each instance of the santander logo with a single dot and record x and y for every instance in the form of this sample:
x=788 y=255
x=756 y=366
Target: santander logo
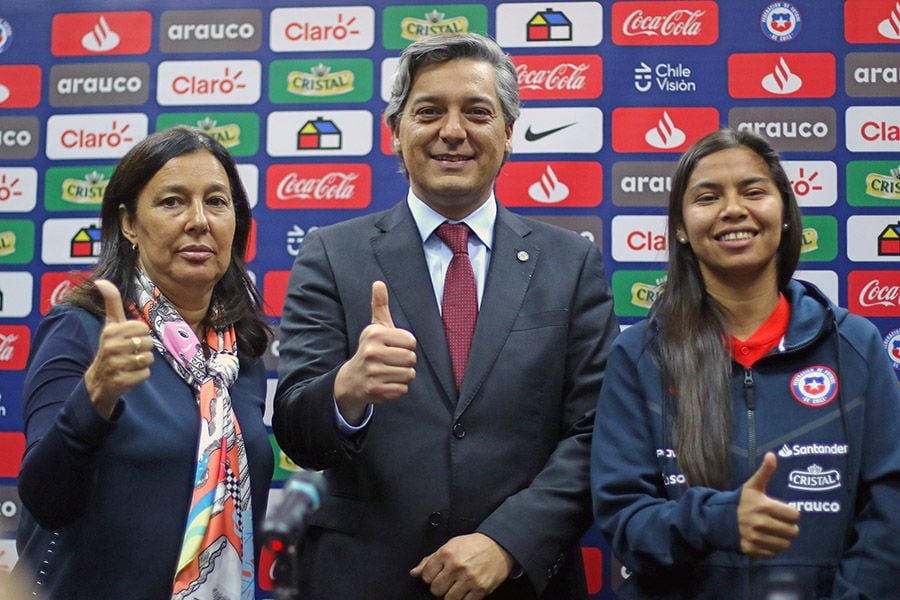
x=778 y=75
x=874 y=293
x=665 y=135
x=561 y=184
x=781 y=80
x=665 y=23
x=318 y=186
x=559 y=77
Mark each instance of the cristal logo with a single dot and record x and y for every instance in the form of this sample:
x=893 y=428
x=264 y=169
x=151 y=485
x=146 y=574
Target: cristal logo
x=875 y=294
x=101 y=38
x=665 y=135
x=681 y=22
x=330 y=186
x=79 y=138
x=781 y=80
x=8 y=189
x=890 y=27
x=229 y=83
x=562 y=77
x=549 y=189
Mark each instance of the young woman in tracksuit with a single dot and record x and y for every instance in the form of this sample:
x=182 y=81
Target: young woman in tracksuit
x=747 y=441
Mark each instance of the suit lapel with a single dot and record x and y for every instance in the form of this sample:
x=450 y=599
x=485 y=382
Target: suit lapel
x=398 y=250
x=513 y=260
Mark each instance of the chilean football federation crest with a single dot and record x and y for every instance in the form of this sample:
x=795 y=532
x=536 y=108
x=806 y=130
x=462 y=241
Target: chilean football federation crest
x=814 y=386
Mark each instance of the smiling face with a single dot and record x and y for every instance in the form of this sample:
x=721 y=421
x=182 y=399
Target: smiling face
x=183 y=227
x=732 y=219
x=452 y=137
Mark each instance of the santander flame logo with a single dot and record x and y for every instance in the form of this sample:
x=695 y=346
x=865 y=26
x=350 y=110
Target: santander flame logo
x=782 y=80
x=101 y=38
x=665 y=135
x=890 y=27
x=549 y=189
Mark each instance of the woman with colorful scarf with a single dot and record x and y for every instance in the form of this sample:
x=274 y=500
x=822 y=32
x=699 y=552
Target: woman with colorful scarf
x=147 y=463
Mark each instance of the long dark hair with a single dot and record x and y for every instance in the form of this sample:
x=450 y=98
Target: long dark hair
x=235 y=294
x=695 y=362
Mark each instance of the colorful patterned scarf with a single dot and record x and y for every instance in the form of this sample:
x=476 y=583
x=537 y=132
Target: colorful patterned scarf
x=216 y=558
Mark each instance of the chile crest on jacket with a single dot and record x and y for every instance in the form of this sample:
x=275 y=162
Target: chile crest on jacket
x=814 y=386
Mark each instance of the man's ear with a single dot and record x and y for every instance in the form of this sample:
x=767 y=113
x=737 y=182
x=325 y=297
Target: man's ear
x=126 y=226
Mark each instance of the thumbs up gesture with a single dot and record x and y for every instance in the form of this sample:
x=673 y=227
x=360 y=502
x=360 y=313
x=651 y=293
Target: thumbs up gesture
x=124 y=354
x=767 y=526
x=383 y=365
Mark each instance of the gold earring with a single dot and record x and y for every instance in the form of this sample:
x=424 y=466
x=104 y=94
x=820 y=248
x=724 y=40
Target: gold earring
x=786 y=226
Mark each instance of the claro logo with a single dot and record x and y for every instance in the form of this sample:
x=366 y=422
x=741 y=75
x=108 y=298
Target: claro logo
x=206 y=82
x=665 y=23
x=94 y=135
x=321 y=28
x=873 y=128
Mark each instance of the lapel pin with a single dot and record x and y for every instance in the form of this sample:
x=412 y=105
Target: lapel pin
x=522 y=255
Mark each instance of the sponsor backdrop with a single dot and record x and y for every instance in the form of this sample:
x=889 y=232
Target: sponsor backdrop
x=612 y=93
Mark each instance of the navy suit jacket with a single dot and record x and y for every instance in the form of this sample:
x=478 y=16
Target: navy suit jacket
x=507 y=456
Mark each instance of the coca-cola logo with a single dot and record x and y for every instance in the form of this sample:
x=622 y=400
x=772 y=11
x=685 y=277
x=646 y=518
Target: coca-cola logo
x=557 y=77
x=678 y=22
x=318 y=186
x=565 y=76
x=874 y=293
x=14 y=341
x=331 y=186
x=55 y=285
x=659 y=23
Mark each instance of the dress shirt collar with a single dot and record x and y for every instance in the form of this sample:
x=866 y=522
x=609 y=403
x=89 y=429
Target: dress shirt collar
x=481 y=221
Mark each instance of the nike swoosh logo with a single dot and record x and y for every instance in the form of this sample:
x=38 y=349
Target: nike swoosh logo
x=531 y=136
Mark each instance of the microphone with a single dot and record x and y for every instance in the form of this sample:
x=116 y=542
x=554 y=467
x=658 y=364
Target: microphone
x=301 y=497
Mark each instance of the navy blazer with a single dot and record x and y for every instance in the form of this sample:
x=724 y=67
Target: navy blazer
x=508 y=456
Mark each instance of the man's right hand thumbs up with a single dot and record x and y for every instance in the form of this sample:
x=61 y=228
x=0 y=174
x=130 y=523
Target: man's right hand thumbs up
x=383 y=365
x=381 y=311
x=767 y=526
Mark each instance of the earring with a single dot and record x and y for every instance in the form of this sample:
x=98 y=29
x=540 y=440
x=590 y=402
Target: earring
x=682 y=240
x=786 y=226
x=134 y=248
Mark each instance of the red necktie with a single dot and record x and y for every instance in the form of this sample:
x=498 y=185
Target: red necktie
x=459 y=306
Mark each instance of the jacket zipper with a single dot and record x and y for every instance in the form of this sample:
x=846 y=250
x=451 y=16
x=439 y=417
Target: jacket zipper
x=750 y=401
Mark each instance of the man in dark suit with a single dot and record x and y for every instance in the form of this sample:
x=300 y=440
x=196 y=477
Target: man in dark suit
x=451 y=474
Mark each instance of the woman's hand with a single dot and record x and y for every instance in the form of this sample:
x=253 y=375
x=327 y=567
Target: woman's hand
x=767 y=526
x=124 y=354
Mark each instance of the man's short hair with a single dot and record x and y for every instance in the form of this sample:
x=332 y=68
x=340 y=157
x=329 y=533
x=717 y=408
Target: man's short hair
x=442 y=48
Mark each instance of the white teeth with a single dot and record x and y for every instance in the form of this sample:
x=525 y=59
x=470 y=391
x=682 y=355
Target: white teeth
x=452 y=158
x=736 y=235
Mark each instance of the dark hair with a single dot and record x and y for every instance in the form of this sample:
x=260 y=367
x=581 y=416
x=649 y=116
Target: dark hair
x=695 y=363
x=445 y=47
x=234 y=293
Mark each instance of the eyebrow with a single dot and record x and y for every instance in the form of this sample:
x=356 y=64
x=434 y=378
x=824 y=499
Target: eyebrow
x=742 y=183
x=181 y=188
x=436 y=98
